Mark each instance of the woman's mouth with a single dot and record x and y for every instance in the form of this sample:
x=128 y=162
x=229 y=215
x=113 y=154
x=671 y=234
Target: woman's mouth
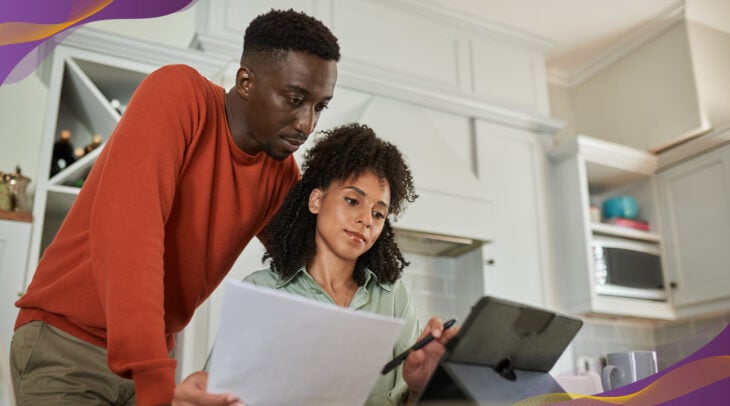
x=356 y=236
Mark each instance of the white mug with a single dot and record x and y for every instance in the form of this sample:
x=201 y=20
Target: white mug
x=626 y=367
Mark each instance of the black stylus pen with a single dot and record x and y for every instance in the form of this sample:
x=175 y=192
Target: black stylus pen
x=419 y=344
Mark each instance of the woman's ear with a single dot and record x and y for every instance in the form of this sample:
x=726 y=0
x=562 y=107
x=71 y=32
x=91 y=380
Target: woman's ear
x=315 y=199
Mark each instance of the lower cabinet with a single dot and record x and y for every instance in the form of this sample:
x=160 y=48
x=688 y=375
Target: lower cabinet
x=695 y=197
x=14 y=242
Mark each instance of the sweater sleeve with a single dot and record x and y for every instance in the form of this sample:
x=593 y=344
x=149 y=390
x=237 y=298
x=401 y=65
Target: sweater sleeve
x=136 y=175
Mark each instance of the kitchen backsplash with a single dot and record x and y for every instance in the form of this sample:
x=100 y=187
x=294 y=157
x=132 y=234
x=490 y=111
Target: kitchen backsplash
x=673 y=341
x=446 y=287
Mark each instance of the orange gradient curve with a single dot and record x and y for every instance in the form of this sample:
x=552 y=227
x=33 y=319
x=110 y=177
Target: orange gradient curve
x=21 y=32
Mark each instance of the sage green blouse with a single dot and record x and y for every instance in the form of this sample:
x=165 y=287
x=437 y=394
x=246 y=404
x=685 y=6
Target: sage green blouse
x=375 y=297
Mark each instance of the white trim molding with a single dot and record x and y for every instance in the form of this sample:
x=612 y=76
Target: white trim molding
x=104 y=42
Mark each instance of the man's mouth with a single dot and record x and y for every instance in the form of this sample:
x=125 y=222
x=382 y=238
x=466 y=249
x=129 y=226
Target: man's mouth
x=293 y=143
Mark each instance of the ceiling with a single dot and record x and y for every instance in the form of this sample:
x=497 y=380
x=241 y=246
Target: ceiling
x=584 y=31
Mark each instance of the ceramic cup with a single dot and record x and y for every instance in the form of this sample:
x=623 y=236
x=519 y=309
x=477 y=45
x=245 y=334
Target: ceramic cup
x=626 y=367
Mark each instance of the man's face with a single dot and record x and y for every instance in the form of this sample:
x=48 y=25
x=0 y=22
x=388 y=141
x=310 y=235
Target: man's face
x=285 y=100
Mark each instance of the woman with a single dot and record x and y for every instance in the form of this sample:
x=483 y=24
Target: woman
x=332 y=241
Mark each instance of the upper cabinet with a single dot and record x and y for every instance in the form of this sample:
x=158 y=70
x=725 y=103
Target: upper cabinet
x=586 y=172
x=695 y=195
x=400 y=49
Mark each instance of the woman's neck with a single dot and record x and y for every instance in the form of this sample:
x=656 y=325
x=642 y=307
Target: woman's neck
x=335 y=277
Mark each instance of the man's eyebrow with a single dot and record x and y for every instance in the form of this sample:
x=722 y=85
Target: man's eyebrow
x=295 y=88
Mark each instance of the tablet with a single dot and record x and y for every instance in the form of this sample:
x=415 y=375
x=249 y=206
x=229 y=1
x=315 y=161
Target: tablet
x=496 y=330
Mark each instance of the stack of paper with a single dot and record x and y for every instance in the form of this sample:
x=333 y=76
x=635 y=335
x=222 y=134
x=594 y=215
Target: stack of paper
x=274 y=348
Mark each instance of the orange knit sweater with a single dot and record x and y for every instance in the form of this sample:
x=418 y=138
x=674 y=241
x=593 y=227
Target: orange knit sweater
x=165 y=212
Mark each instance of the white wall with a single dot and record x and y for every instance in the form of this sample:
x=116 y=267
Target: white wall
x=23 y=104
x=22 y=108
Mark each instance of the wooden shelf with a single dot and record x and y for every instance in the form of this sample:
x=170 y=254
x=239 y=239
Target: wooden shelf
x=16 y=215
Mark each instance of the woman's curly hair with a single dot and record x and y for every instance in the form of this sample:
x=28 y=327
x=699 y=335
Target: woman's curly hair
x=342 y=153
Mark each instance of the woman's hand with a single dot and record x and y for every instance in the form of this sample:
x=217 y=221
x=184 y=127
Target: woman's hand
x=421 y=363
x=193 y=392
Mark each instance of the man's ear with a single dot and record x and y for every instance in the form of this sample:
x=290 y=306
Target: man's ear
x=315 y=199
x=244 y=81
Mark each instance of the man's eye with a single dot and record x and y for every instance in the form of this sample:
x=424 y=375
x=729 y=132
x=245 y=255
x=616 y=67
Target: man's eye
x=320 y=107
x=351 y=201
x=296 y=101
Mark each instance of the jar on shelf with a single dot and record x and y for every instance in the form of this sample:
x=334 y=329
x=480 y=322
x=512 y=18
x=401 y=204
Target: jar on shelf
x=6 y=202
x=17 y=186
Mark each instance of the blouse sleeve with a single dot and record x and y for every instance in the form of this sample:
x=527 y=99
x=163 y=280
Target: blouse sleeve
x=409 y=335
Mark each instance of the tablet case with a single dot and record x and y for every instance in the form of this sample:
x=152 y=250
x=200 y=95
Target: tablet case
x=501 y=355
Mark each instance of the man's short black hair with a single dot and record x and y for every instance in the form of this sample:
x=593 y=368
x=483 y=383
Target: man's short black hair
x=289 y=30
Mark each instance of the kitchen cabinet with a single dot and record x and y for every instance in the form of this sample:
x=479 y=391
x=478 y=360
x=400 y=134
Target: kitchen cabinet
x=512 y=167
x=586 y=172
x=695 y=196
x=14 y=241
x=422 y=48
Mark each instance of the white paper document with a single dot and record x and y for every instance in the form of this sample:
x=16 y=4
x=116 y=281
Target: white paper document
x=274 y=348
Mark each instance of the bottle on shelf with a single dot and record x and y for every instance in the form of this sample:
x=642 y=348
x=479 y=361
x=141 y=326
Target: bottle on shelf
x=63 y=153
x=96 y=140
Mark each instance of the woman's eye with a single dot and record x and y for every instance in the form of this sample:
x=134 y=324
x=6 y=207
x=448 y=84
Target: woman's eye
x=378 y=215
x=351 y=201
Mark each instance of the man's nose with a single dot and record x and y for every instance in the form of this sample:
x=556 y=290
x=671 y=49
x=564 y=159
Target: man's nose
x=306 y=120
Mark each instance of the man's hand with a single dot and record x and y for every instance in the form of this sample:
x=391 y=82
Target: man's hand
x=421 y=363
x=193 y=392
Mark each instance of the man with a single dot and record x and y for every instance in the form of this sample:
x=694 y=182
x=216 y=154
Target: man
x=189 y=176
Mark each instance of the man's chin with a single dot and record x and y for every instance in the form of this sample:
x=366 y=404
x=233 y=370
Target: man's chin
x=277 y=155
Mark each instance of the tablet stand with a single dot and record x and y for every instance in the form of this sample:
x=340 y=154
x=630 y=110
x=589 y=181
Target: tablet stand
x=462 y=384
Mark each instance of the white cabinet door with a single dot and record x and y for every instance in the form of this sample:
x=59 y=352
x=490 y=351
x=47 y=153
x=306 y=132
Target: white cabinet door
x=695 y=197
x=14 y=241
x=512 y=168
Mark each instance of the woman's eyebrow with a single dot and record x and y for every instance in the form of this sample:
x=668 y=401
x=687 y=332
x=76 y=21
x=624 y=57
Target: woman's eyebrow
x=363 y=194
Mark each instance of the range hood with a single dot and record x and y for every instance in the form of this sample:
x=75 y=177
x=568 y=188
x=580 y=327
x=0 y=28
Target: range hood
x=454 y=213
x=434 y=245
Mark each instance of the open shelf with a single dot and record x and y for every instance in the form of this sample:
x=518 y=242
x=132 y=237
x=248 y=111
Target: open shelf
x=624 y=232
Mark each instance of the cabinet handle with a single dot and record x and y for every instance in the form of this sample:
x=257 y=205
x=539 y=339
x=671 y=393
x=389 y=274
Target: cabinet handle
x=489 y=261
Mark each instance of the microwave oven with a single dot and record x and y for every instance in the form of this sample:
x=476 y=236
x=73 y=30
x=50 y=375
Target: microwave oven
x=628 y=268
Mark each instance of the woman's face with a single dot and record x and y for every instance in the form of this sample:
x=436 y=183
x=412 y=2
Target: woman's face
x=350 y=215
